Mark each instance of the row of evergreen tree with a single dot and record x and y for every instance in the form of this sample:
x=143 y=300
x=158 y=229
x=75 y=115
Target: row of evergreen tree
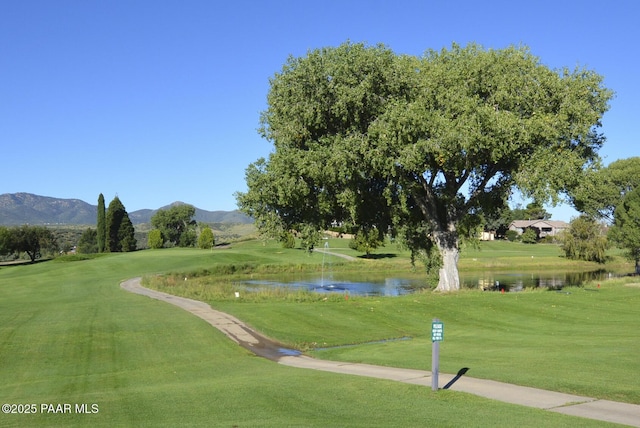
x=174 y=226
x=114 y=232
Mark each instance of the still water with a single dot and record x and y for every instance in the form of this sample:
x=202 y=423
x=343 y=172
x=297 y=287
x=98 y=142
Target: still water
x=380 y=285
x=518 y=281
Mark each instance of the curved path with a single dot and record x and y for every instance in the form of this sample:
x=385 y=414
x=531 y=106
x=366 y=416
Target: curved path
x=236 y=330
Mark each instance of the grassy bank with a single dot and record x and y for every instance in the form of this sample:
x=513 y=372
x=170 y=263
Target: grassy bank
x=70 y=335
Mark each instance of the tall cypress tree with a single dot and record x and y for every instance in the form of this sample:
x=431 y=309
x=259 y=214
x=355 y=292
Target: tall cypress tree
x=102 y=225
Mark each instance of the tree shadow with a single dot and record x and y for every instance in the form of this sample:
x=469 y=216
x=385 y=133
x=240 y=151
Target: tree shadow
x=22 y=262
x=378 y=256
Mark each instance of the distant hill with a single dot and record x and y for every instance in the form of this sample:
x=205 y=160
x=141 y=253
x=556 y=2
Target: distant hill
x=144 y=216
x=26 y=208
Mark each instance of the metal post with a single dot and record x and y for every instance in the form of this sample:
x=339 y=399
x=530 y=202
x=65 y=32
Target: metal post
x=436 y=337
x=435 y=364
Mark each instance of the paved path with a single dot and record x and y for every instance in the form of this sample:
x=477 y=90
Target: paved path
x=586 y=407
x=343 y=256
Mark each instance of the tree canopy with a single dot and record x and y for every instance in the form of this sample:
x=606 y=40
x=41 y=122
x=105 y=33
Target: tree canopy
x=626 y=226
x=88 y=242
x=420 y=146
x=176 y=224
x=31 y=240
x=585 y=240
x=154 y=240
x=119 y=229
x=206 y=239
x=602 y=190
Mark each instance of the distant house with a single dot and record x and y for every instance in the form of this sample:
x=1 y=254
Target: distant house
x=542 y=227
x=487 y=235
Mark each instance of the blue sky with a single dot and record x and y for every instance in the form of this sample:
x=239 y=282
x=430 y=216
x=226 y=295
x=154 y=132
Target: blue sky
x=159 y=101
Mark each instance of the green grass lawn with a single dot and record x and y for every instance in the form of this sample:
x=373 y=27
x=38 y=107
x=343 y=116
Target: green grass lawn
x=70 y=335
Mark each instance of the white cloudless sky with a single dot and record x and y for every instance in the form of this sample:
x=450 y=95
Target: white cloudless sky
x=158 y=101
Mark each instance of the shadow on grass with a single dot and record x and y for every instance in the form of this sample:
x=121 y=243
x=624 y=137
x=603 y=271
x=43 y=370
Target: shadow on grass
x=23 y=262
x=378 y=256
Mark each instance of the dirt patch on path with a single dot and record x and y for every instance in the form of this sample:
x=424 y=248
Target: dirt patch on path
x=235 y=329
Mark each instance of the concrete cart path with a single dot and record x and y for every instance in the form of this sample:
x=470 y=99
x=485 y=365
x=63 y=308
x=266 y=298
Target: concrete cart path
x=236 y=330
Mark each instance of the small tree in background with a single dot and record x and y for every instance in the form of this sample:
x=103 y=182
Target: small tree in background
x=585 y=240
x=512 y=235
x=206 y=239
x=287 y=239
x=154 y=240
x=33 y=240
x=366 y=241
x=176 y=222
x=529 y=236
x=310 y=236
x=88 y=243
x=6 y=246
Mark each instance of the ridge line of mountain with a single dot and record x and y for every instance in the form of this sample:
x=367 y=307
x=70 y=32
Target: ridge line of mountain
x=28 y=208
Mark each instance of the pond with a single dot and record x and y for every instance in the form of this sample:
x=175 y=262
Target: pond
x=392 y=285
x=355 y=286
x=518 y=281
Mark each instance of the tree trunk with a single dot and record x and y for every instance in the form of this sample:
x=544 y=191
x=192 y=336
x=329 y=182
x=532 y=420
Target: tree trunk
x=448 y=245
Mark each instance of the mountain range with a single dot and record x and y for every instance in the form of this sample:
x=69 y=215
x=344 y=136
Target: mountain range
x=27 y=208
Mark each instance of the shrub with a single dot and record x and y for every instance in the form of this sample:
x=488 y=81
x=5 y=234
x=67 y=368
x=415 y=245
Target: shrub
x=585 y=240
x=512 y=235
x=288 y=240
x=206 y=239
x=366 y=241
x=529 y=236
x=154 y=239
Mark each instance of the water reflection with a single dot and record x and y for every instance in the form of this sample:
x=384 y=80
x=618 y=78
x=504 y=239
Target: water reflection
x=377 y=287
x=396 y=286
x=510 y=281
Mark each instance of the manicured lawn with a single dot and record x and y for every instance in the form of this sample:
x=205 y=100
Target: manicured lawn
x=70 y=335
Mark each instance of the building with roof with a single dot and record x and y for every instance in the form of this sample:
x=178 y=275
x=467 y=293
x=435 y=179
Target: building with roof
x=542 y=227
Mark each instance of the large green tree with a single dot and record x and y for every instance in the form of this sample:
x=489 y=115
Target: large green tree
x=602 y=190
x=626 y=226
x=32 y=240
x=176 y=224
x=120 y=231
x=101 y=231
x=420 y=146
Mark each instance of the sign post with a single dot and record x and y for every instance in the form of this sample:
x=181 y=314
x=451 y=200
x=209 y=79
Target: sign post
x=437 y=336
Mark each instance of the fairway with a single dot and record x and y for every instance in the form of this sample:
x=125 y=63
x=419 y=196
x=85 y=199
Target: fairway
x=70 y=335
